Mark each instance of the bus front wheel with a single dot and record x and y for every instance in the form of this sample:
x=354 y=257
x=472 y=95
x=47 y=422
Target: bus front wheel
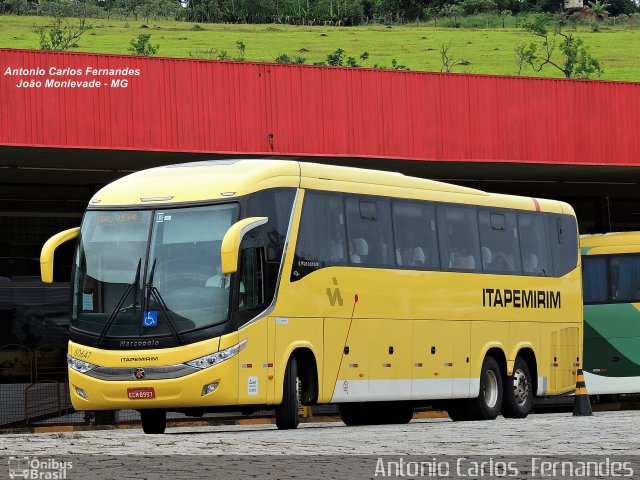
x=154 y=421
x=400 y=413
x=287 y=412
x=518 y=391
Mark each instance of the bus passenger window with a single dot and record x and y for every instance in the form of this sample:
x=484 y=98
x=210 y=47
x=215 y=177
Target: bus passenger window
x=594 y=279
x=499 y=239
x=276 y=205
x=458 y=238
x=369 y=227
x=564 y=243
x=625 y=278
x=534 y=247
x=358 y=249
x=414 y=227
x=321 y=237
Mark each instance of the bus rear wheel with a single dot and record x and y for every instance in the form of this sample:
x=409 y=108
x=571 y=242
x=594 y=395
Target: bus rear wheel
x=154 y=421
x=287 y=412
x=487 y=405
x=353 y=416
x=458 y=410
x=518 y=391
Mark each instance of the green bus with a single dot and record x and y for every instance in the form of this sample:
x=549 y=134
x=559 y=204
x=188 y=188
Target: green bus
x=611 y=290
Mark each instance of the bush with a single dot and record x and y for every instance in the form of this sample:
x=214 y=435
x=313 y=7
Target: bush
x=61 y=36
x=284 y=58
x=472 y=7
x=142 y=46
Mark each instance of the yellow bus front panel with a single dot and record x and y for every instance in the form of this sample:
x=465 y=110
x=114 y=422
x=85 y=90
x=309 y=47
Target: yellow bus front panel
x=117 y=373
x=169 y=393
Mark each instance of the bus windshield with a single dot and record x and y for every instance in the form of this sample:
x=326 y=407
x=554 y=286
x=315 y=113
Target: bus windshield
x=151 y=272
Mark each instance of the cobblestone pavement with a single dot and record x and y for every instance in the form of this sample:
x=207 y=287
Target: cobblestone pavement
x=428 y=448
x=550 y=434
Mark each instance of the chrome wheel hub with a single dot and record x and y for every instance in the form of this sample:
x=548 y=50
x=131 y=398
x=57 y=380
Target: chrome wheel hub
x=520 y=387
x=490 y=389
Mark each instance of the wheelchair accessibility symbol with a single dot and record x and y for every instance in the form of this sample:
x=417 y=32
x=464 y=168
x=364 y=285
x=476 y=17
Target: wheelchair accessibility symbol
x=150 y=319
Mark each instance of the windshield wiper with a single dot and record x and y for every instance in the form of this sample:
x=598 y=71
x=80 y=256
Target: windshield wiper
x=118 y=308
x=152 y=291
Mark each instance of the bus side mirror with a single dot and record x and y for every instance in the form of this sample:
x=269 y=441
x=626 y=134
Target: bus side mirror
x=230 y=248
x=49 y=248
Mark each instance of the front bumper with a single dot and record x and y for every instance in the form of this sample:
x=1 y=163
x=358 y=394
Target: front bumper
x=185 y=391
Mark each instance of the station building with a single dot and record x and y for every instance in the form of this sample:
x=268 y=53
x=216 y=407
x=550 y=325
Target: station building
x=72 y=122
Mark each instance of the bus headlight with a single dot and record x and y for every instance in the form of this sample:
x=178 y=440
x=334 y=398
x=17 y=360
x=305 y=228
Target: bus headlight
x=218 y=357
x=79 y=365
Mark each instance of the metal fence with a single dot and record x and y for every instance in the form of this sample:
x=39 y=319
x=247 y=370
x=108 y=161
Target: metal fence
x=34 y=384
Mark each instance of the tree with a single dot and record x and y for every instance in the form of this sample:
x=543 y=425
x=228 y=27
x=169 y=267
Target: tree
x=398 y=9
x=17 y=7
x=142 y=46
x=61 y=36
x=132 y=7
x=504 y=14
x=570 y=56
x=599 y=9
x=452 y=11
x=155 y=9
x=473 y=7
x=525 y=55
x=622 y=7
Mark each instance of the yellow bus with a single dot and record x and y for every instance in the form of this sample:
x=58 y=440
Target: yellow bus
x=253 y=284
x=611 y=285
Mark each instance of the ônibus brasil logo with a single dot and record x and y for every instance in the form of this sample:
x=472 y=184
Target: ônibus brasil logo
x=38 y=468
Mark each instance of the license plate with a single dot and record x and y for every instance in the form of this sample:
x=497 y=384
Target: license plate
x=141 y=393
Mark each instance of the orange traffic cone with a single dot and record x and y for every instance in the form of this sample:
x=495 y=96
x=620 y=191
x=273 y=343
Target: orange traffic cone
x=581 y=403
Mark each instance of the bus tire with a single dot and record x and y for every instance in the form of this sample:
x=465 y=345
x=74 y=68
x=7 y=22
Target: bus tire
x=352 y=415
x=458 y=410
x=488 y=403
x=356 y=414
x=399 y=413
x=154 y=420
x=518 y=391
x=287 y=412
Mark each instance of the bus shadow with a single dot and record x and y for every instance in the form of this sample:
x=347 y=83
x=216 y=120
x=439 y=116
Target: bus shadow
x=262 y=428
x=268 y=428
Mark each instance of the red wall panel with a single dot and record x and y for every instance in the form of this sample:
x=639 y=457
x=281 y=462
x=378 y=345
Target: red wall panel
x=219 y=107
